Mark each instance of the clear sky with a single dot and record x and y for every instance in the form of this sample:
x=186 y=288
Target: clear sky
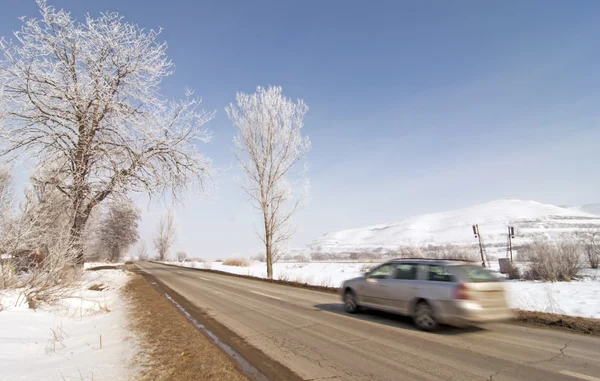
x=415 y=107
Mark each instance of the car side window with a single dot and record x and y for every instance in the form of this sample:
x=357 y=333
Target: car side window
x=406 y=271
x=439 y=274
x=382 y=272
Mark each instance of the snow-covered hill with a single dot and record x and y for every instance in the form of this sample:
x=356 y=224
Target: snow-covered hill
x=529 y=218
x=591 y=208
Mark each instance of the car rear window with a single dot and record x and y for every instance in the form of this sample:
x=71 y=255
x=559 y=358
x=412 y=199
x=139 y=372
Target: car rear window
x=476 y=273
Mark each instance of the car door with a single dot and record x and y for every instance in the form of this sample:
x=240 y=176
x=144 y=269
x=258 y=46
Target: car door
x=401 y=286
x=438 y=287
x=372 y=292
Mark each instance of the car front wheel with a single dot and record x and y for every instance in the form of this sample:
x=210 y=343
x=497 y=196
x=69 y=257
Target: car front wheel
x=350 y=302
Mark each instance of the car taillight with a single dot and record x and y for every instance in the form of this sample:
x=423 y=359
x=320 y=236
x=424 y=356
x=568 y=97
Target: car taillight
x=461 y=292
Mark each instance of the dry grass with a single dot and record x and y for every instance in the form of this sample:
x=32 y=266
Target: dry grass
x=97 y=287
x=572 y=323
x=239 y=262
x=172 y=348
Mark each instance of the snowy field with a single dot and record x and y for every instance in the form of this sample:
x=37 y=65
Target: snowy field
x=578 y=298
x=82 y=337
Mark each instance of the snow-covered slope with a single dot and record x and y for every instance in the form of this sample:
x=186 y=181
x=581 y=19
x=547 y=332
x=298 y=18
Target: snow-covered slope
x=591 y=208
x=528 y=217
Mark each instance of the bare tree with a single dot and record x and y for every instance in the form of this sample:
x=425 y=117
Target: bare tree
x=165 y=235
x=590 y=239
x=117 y=229
x=268 y=145
x=142 y=251
x=181 y=256
x=87 y=94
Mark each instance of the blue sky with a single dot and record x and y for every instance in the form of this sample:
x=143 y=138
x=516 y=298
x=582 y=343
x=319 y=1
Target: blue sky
x=415 y=107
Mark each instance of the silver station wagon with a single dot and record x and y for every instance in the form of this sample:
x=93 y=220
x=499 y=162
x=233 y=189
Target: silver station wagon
x=433 y=292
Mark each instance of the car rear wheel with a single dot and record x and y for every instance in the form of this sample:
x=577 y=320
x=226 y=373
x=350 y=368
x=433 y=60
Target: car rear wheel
x=350 y=302
x=424 y=318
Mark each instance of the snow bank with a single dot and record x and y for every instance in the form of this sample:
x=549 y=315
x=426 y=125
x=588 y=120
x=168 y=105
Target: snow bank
x=578 y=298
x=83 y=337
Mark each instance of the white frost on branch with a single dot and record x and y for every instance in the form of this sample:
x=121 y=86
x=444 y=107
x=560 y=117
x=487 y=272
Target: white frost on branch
x=268 y=145
x=87 y=94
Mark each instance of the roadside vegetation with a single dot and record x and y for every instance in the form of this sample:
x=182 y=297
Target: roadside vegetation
x=239 y=262
x=558 y=260
x=553 y=261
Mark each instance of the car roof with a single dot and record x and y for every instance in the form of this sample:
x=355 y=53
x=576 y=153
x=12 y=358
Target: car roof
x=429 y=261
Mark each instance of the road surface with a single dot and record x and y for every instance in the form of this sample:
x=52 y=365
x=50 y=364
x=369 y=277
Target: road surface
x=309 y=333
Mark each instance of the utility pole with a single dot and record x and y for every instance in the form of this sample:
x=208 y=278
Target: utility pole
x=511 y=235
x=478 y=236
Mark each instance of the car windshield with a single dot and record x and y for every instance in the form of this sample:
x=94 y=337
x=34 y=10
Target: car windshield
x=476 y=274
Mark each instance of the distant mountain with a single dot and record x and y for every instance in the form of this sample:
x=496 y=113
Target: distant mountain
x=591 y=208
x=529 y=218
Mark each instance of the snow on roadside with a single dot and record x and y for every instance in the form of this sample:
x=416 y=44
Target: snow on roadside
x=578 y=298
x=82 y=337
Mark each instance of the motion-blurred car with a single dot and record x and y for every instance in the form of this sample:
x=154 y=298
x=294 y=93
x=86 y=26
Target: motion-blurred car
x=433 y=292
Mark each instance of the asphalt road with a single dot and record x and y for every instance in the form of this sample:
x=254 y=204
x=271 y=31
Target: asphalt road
x=309 y=333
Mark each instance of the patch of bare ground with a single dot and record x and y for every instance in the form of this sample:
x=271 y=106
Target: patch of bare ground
x=571 y=323
x=171 y=347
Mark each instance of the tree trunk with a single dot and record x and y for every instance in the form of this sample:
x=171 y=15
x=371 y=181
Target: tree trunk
x=76 y=235
x=80 y=218
x=268 y=244
x=269 y=261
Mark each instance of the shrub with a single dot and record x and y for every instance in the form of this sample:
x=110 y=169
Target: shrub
x=552 y=261
x=260 y=257
x=181 y=256
x=461 y=253
x=590 y=239
x=320 y=256
x=410 y=252
x=301 y=259
x=239 y=262
x=456 y=252
x=513 y=271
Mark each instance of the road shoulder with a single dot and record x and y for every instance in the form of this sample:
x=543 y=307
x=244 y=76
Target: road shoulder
x=170 y=347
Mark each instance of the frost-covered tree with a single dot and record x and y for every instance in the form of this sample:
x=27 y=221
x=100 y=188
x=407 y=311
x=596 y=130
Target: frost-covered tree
x=88 y=94
x=164 y=237
x=142 y=251
x=268 y=145
x=116 y=230
x=45 y=214
x=6 y=207
x=37 y=236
